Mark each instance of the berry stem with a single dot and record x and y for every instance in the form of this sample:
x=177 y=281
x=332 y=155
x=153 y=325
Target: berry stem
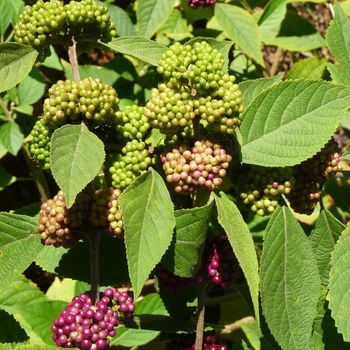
x=201 y=292
x=195 y=122
x=73 y=59
x=93 y=237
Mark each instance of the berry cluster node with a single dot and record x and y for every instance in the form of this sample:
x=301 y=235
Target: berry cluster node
x=88 y=100
x=86 y=326
x=204 y=3
x=57 y=224
x=204 y=165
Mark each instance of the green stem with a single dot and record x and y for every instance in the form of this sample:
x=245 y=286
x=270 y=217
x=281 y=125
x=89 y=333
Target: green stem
x=201 y=291
x=93 y=237
x=7 y=113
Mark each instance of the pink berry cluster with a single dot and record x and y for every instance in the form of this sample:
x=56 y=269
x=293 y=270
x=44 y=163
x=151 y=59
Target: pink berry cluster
x=186 y=341
x=86 y=326
x=204 y=165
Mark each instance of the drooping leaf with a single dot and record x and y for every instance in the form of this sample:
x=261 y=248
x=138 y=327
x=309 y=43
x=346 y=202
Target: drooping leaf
x=31 y=88
x=148 y=223
x=222 y=46
x=323 y=239
x=339 y=284
x=241 y=240
x=8 y=10
x=11 y=137
x=325 y=335
x=252 y=332
x=138 y=47
x=175 y=27
x=120 y=18
x=151 y=14
x=16 y=61
x=10 y=330
x=18 y=238
x=6 y=179
x=48 y=259
x=308 y=68
x=183 y=257
x=290 y=284
x=66 y=289
x=241 y=28
x=291 y=121
x=271 y=19
x=151 y=304
x=252 y=88
x=76 y=155
x=338 y=41
x=38 y=318
x=53 y=60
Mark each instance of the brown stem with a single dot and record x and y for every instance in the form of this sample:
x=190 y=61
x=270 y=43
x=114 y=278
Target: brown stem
x=73 y=59
x=276 y=62
x=201 y=290
x=93 y=237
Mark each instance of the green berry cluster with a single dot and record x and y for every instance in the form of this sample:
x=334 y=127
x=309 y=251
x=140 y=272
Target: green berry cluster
x=310 y=174
x=40 y=144
x=46 y=22
x=126 y=166
x=260 y=188
x=204 y=165
x=199 y=66
x=195 y=88
x=105 y=211
x=131 y=123
x=58 y=224
x=88 y=99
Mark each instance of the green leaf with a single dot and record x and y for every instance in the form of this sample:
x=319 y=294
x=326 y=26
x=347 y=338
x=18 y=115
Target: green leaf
x=138 y=47
x=10 y=330
x=339 y=284
x=48 y=259
x=16 y=61
x=290 y=284
x=322 y=239
x=338 y=41
x=66 y=289
x=296 y=34
x=31 y=88
x=175 y=27
x=53 y=60
x=252 y=332
x=6 y=179
x=76 y=157
x=291 y=121
x=24 y=109
x=148 y=223
x=308 y=68
x=151 y=304
x=11 y=137
x=240 y=345
x=107 y=76
x=183 y=257
x=28 y=347
x=222 y=46
x=37 y=318
x=325 y=335
x=241 y=240
x=151 y=14
x=18 y=238
x=241 y=28
x=252 y=88
x=271 y=19
x=121 y=20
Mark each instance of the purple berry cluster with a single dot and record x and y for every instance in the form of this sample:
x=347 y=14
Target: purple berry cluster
x=57 y=224
x=186 y=341
x=86 y=326
x=173 y=283
x=204 y=165
x=105 y=211
x=310 y=174
x=220 y=261
x=204 y=3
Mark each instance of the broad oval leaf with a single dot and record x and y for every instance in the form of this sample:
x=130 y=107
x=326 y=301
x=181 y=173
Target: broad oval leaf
x=241 y=28
x=18 y=238
x=31 y=88
x=339 y=284
x=11 y=331
x=183 y=257
x=310 y=68
x=148 y=223
x=291 y=121
x=272 y=17
x=16 y=61
x=11 y=137
x=138 y=47
x=290 y=284
x=76 y=157
x=323 y=239
x=241 y=240
x=151 y=14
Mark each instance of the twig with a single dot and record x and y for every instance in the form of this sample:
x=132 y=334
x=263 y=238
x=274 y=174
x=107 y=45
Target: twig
x=73 y=59
x=276 y=62
x=201 y=290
